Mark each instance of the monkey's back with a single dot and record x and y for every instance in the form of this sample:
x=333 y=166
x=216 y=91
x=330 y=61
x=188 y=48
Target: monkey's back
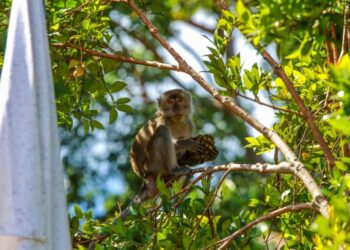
x=138 y=152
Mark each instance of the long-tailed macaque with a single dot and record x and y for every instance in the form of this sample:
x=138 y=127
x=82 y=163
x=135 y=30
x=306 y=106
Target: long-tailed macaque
x=160 y=142
x=163 y=139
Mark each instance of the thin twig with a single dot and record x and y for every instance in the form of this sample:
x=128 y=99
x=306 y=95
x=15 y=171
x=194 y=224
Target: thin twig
x=142 y=40
x=269 y=105
x=118 y=57
x=212 y=198
x=346 y=26
x=199 y=26
x=334 y=48
x=291 y=208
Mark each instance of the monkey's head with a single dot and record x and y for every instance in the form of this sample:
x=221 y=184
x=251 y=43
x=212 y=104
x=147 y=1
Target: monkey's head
x=176 y=104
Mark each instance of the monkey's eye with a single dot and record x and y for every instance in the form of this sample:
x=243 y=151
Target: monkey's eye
x=171 y=101
x=179 y=99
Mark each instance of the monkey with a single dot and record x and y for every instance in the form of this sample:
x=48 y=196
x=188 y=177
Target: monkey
x=158 y=145
x=164 y=139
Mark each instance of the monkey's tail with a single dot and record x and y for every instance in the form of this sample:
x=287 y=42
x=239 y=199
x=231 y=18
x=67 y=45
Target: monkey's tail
x=140 y=197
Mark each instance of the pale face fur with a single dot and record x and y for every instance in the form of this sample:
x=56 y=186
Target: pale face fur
x=176 y=104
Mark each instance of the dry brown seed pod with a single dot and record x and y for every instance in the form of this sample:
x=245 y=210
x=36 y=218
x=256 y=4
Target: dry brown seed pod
x=209 y=152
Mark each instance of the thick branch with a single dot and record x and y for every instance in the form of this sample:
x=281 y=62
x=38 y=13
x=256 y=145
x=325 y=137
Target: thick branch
x=304 y=110
x=261 y=168
x=118 y=57
x=291 y=208
x=295 y=168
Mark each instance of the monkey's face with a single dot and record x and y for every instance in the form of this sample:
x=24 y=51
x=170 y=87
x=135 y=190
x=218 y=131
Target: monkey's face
x=175 y=104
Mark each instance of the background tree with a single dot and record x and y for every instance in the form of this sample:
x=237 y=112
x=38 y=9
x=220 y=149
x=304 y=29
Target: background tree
x=108 y=58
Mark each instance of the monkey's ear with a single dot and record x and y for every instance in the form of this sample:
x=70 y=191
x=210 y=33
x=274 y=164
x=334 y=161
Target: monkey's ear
x=159 y=101
x=188 y=94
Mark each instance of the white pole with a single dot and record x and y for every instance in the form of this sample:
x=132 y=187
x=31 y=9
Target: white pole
x=33 y=212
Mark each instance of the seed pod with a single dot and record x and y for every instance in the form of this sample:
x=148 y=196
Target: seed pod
x=209 y=152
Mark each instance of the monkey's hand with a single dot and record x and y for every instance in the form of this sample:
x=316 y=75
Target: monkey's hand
x=190 y=144
x=208 y=152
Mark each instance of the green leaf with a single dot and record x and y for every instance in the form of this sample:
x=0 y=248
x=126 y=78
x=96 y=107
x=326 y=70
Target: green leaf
x=113 y=115
x=162 y=188
x=125 y=108
x=96 y=124
x=86 y=126
x=186 y=240
x=342 y=124
x=119 y=228
x=78 y=212
x=88 y=215
x=322 y=226
x=235 y=64
x=74 y=222
x=229 y=16
x=204 y=220
x=117 y=86
x=205 y=185
x=247 y=83
x=220 y=81
x=252 y=141
x=110 y=77
x=243 y=12
x=134 y=210
x=123 y=100
x=178 y=184
x=254 y=202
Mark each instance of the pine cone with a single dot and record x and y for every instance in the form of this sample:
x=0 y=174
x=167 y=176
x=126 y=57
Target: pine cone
x=209 y=152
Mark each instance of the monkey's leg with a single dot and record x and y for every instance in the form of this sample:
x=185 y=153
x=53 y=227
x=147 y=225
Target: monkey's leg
x=161 y=161
x=161 y=158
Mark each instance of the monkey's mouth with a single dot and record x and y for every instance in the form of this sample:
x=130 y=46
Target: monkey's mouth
x=178 y=116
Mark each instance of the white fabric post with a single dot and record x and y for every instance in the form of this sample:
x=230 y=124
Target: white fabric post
x=33 y=212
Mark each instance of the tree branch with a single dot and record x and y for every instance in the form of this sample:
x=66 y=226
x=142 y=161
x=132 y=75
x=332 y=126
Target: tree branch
x=308 y=116
x=261 y=168
x=346 y=30
x=334 y=47
x=199 y=26
x=291 y=208
x=118 y=57
x=141 y=39
x=210 y=202
x=269 y=105
x=295 y=168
